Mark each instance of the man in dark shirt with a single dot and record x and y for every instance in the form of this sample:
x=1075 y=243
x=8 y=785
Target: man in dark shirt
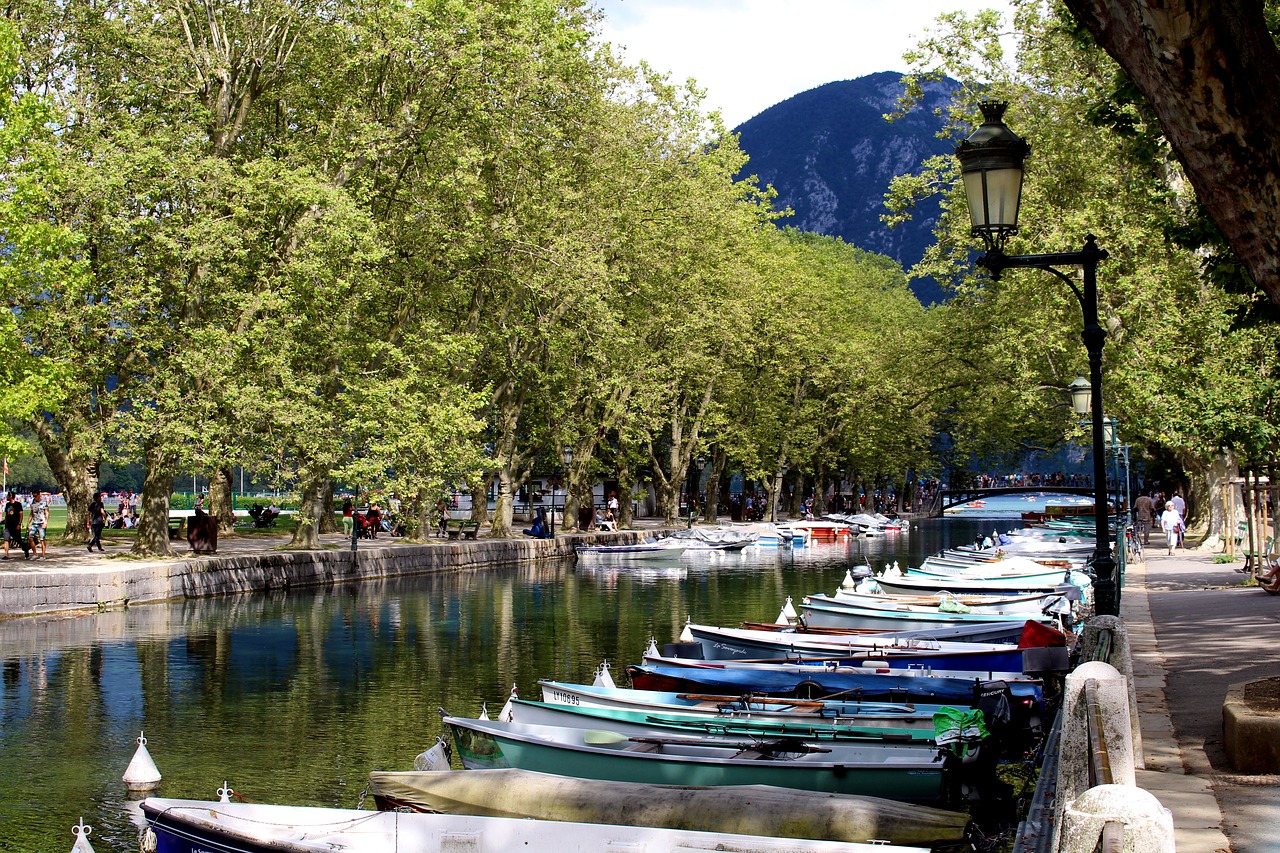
x=97 y=520
x=13 y=525
x=1144 y=513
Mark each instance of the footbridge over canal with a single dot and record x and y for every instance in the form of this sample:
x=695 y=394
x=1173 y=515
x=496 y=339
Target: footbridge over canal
x=947 y=498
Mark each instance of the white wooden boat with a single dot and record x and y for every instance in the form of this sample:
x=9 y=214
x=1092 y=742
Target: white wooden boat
x=824 y=611
x=1027 y=602
x=916 y=584
x=666 y=550
x=719 y=644
x=196 y=826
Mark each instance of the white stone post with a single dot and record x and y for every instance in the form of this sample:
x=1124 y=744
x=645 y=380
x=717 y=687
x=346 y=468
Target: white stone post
x=1148 y=826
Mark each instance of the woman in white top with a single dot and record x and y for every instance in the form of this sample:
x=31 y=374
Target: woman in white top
x=1171 y=523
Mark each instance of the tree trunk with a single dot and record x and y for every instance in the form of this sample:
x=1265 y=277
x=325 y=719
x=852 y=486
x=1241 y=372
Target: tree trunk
x=626 y=487
x=76 y=476
x=328 y=522
x=420 y=509
x=710 y=510
x=153 y=513
x=504 y=503
x=314 y=485
x=1218 y=476
x=1209 y=70
x=775 y=492
x=820 y=492
x=480 y=499
x=221 y=497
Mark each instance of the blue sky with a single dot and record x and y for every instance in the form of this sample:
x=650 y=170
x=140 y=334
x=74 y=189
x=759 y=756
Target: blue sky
x=751 y=54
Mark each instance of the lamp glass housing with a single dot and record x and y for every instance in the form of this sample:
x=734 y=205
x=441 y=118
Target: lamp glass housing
x=991 y=165
x=1081 y=396
x=1109 y=431
x=566 y=454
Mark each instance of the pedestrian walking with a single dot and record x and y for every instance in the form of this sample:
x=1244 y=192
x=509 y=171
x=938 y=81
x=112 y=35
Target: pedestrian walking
x=97 y=521
x=13 y=510
x=1181 y=506
x=1144 y=512
x=39 y=523
x=1171 y=523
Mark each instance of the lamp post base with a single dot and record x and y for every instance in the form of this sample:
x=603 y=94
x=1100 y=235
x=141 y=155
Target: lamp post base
x=1106 y=597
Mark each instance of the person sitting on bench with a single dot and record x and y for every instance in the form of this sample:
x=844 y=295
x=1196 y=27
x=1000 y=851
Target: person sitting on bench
x=539 y=529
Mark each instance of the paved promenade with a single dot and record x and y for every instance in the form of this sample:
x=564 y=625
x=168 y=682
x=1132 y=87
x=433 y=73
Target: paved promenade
x=1195 y=631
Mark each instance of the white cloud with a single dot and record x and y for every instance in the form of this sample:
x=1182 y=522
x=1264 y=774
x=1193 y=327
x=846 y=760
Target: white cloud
x=750 y=54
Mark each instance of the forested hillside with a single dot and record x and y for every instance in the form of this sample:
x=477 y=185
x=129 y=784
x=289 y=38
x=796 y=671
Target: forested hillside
x=830 y=154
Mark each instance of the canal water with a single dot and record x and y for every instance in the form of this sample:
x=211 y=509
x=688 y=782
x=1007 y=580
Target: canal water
x=294 y=697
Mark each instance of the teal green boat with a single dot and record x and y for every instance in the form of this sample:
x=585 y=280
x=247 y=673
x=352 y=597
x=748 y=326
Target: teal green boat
x=710 y=724
x=908 y=773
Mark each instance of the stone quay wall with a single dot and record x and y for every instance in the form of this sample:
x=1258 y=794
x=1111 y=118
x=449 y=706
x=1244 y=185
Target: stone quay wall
x=100 y=587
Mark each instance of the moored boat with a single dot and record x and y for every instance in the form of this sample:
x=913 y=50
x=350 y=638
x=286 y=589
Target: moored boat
x=849 y=683
x=196 y=826
x=830 y=612
x=652 y=722
x=910 y=773
x=635 y=551
x=721 y=644
x=886 y=714
x=741 y=809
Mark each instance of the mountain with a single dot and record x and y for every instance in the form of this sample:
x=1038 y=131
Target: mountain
x=830 y=155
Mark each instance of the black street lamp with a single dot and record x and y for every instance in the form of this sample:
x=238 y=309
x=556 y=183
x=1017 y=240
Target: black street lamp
x=566 y=456
x=992 y=166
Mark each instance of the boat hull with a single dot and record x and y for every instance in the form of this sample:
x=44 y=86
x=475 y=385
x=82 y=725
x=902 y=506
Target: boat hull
x=194 y=826
x=825 y=613
x=908 y=774
x=885 y=714
x=653 y=722
x=742 y=809
x=869 y=686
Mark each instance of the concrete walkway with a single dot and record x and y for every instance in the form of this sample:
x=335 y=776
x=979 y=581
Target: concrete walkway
x=1195 y=631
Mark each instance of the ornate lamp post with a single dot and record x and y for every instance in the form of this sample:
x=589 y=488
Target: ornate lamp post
x=992 y=166
x=566 y=456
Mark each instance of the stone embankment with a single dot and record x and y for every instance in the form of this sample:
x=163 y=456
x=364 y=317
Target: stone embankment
x=77 y=583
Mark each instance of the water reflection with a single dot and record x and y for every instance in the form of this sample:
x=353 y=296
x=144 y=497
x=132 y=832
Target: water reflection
x=294 y=697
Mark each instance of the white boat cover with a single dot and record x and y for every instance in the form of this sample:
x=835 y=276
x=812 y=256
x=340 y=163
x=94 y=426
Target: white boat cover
x=743 y=809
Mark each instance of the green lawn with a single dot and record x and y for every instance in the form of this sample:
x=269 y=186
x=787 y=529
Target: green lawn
x=58 y=523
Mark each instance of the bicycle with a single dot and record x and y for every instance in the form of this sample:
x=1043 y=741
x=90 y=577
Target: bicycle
x=1132 y=544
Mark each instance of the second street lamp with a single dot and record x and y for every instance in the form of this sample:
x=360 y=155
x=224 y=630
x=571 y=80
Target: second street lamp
x=992 y=166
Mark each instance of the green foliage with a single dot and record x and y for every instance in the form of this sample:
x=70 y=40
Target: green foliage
x=1188 y=364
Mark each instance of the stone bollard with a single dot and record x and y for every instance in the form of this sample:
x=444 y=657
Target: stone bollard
x=1148 y=826
x=1073 y=763
x=1121 y=658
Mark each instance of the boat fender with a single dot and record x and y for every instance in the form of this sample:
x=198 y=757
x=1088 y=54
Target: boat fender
x=147 y=840
x=435 y=758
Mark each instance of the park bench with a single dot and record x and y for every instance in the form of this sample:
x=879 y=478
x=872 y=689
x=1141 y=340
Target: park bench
x=177 y=527
x=455 y=529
